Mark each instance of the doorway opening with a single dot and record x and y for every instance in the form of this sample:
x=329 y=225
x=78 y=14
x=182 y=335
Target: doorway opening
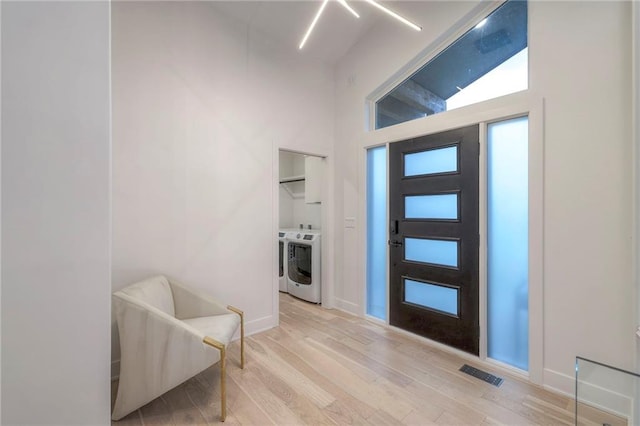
x=301 y=180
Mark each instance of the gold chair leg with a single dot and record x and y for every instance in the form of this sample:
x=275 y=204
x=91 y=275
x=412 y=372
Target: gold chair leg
x=239 y=312
x=223 y=385
x=223 y=374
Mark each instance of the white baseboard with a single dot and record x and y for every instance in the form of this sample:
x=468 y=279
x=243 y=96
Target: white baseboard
x=258 y=325
x=347 y=306
x=599 y=397
x=250 y=327
x=559 y=382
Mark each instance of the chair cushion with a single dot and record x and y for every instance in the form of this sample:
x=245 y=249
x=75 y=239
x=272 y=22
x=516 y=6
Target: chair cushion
x=154 y=291
x=218 y=327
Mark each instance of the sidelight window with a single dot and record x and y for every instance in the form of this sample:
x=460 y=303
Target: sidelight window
x=508 y=242
x=377 y=232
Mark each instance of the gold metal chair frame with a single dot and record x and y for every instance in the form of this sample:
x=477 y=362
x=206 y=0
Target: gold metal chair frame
x=223 y=352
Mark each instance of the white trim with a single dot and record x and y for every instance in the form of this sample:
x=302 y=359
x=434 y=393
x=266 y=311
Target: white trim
x=635 y=182
x=608 y=400
x=559 y=382
x=635 y=146
x=275 y=224
x=482 y=249
x=504 y=106
x=328 y=239
x=498 y=109
x=110 y=195
x=346 y=306
x=1 y=208
x=536 y=240
x=327 y=247
x=112 y=322
x=258 y=325
x=362 y=234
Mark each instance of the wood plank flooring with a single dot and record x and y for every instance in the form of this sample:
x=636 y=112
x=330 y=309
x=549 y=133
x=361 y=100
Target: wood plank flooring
x=325 y=367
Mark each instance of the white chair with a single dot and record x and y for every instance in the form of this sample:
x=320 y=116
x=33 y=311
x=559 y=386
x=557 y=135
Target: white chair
x=168 y=334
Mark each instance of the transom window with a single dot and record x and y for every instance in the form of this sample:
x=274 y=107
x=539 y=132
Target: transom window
x=488 y=61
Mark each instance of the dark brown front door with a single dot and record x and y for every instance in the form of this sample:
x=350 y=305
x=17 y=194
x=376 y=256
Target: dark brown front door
x=433 y=211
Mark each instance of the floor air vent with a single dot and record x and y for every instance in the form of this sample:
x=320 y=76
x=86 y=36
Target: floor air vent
x=482 y=375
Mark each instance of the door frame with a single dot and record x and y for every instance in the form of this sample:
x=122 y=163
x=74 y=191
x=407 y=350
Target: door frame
x=498 y=109
x=326 y=248
x=461 y=329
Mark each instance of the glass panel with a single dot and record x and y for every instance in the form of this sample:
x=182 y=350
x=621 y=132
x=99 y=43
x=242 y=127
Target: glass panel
x=509 y=77
x=508 y=242
x=443 y=206
x=299 y=263
x=441 y=160
x=488 y=61
x=377 y=232
x=437 y=252
x=431 y=296
x=605 y=395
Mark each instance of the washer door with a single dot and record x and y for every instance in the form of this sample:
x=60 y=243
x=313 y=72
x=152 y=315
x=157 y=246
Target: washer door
x=299 y=263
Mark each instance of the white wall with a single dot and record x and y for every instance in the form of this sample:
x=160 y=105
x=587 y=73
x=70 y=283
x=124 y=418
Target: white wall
x=201 y=104
x=295 y=210
x=55 y=213
x=588 y=181
x=386 y=48
x=582 y=70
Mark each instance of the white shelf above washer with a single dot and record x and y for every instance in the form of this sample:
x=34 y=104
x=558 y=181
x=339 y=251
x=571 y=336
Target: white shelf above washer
x=289 y=179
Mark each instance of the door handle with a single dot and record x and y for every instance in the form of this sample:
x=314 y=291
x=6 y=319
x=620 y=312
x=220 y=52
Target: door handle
x=395 y=243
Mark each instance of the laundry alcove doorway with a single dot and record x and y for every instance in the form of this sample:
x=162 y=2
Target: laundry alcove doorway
x=300 y=223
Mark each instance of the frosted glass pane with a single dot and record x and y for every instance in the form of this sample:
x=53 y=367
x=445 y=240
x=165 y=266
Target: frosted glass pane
x=377 y=232
x=438 y=252
x=431 y=296
x=433 y=161
x=444 y=206
x=508 y=266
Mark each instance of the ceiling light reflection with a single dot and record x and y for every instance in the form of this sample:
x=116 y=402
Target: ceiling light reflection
x=395 y=15
x=313 y=23
x=349 y=8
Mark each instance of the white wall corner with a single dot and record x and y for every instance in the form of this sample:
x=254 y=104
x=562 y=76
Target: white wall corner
x=635 y=184
x=635 y=110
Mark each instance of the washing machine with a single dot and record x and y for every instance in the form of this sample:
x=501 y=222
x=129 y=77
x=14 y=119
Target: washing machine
x=303 y=265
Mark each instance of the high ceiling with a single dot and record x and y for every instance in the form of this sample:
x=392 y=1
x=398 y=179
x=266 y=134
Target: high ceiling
x=287 y=21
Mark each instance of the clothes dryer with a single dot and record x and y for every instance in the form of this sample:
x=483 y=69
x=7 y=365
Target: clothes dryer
x=303 y=265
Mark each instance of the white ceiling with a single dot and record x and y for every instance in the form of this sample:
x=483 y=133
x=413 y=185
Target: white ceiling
x=286 y=22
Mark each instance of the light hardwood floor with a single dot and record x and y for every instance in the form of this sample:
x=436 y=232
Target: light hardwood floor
x=325 y=367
